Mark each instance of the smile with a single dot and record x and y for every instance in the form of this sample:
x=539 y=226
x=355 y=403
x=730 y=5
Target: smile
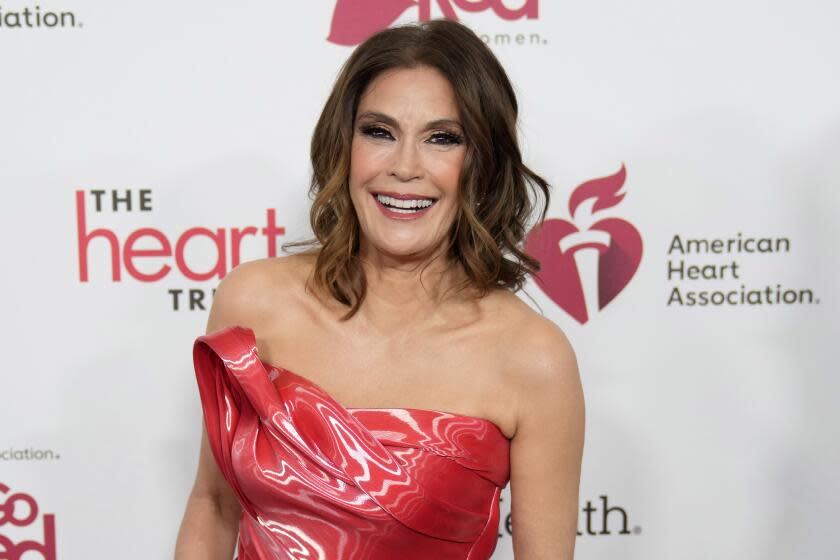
x=403 y=208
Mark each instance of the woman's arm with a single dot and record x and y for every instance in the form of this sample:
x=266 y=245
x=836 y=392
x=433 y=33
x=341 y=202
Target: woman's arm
x=209 y=528
x=210 y=524
x=547 y=447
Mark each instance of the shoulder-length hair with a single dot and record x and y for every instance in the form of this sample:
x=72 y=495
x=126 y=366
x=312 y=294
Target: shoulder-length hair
x=494 y=203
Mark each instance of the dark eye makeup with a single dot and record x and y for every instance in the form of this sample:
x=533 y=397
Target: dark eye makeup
x=440 y=138
x=375 y=131
x=446 y=138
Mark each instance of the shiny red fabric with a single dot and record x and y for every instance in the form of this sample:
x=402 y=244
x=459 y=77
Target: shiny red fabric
x=318 y=481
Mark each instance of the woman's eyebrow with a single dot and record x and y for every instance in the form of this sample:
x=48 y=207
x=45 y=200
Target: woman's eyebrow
x=443 y=122
x=391 y=121
x=374 y=116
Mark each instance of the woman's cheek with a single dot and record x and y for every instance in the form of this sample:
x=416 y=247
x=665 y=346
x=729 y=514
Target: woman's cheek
x=447 y=169
x=358 y=163
x=366 y=161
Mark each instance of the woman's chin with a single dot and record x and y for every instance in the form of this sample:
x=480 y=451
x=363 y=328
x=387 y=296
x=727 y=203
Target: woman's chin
x=407 y=251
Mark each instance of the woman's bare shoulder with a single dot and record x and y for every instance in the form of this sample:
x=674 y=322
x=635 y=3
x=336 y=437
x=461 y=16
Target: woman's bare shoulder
x=249 y=294
x=537 y=353
x=519 y=318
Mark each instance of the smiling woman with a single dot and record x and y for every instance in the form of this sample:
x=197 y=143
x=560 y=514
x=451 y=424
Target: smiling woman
x=435 y=87
x=403 y=305
x=405 y=162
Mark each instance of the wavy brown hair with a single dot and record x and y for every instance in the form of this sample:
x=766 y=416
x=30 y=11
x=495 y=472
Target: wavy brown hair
x=494 y=199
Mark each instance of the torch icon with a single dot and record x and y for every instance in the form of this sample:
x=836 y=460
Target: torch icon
x=586 y=247
x=588 y=243
x=586 y=261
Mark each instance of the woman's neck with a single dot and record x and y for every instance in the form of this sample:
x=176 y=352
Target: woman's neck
x=407 y=291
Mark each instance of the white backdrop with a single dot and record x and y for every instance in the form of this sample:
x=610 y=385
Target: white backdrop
x=712 y=427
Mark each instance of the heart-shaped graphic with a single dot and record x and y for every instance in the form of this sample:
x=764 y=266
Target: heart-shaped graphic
x=355 y=20
x=559 y=276
x=618 y=243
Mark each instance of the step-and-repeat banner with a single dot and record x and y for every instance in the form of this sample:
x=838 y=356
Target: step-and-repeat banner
x=694 y=152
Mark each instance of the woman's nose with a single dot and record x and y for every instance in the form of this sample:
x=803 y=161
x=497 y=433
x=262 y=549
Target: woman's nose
x=406 y=164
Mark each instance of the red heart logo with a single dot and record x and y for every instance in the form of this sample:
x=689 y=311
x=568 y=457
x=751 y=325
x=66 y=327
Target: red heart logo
x=618 y=245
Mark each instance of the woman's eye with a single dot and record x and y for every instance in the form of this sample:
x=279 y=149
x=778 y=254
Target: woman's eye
x=445 y=138
x=376 y=132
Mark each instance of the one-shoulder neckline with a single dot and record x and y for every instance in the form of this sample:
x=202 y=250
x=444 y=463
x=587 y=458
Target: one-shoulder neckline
x=380 y=408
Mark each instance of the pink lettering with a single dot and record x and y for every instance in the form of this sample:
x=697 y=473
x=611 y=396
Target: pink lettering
x=355 y=20
x=218 y=269
x=271 y=231
x=84 y=238
x=9 y=514
x=235 y=240
x=528 y=10
x=131 y=253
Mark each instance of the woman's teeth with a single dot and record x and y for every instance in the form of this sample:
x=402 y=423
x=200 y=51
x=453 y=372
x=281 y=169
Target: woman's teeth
x=404 y=206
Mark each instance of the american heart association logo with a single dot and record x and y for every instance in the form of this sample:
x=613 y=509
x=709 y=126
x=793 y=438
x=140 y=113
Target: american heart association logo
x=585 y=263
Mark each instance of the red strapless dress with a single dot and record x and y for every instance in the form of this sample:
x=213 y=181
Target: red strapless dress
x=318 y=481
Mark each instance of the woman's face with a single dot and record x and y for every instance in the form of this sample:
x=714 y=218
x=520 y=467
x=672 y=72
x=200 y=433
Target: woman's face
x=406 y=158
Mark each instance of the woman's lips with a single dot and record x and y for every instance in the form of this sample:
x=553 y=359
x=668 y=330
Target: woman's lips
x=390 y=213
x=403 y=196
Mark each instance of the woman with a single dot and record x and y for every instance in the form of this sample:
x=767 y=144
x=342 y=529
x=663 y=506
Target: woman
x=414 y=383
